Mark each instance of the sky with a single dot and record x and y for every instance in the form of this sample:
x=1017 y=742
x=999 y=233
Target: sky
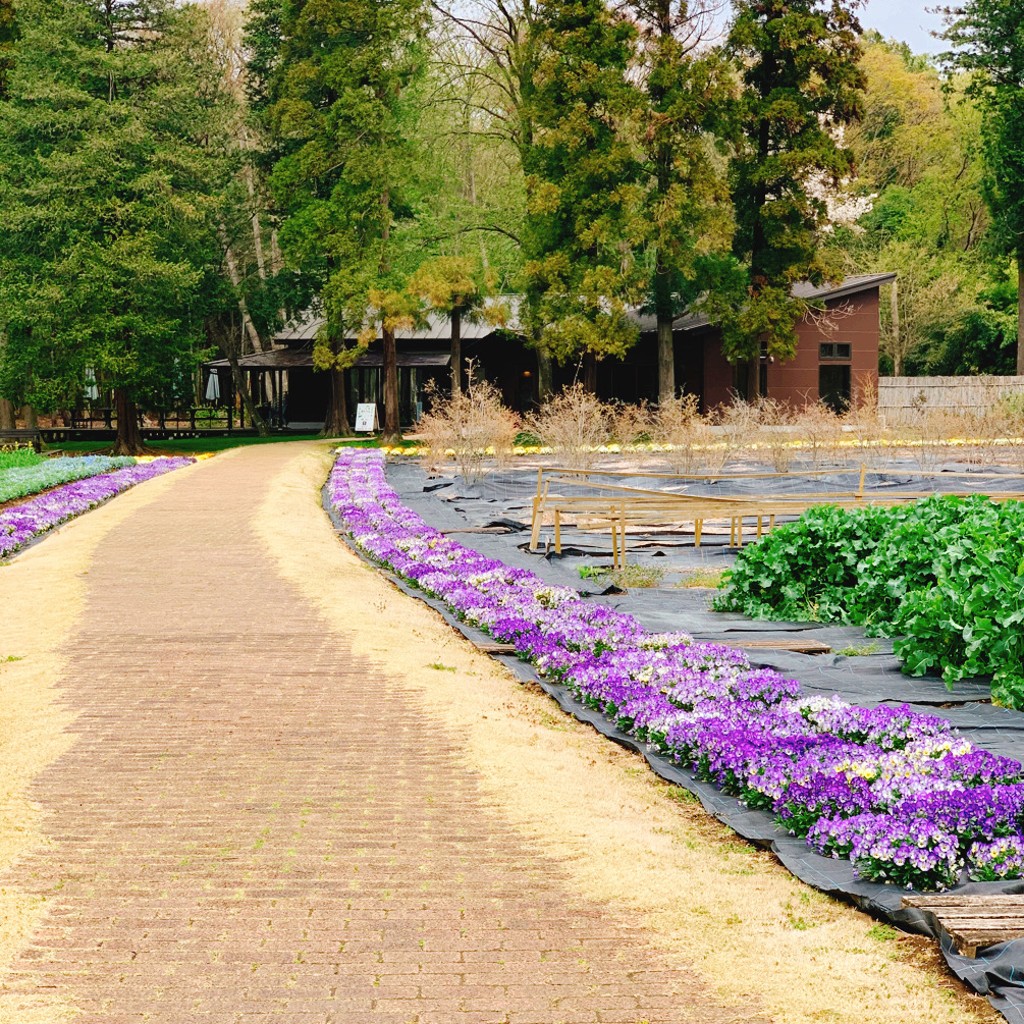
x=905 y=20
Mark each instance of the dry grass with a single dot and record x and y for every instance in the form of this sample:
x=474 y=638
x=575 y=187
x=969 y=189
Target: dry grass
x=755 y=934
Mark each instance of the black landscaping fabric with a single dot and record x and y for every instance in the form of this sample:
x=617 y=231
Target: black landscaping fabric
x=502 y=502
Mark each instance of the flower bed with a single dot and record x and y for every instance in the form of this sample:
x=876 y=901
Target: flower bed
x=22 y=523
x=906 y=798
x=26 y=480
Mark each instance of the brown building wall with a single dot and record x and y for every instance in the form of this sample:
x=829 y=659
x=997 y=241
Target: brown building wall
x=852 y=321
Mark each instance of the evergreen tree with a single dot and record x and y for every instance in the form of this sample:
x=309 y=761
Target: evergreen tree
x=801 y=83
x=987 y=39
x=106 y=193
x=341 y=104
x=583 y=183
x=687 y=98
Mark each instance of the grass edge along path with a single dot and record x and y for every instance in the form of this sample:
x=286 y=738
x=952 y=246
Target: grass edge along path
x=732 y=910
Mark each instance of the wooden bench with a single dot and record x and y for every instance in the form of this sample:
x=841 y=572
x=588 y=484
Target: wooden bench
x=21 y=438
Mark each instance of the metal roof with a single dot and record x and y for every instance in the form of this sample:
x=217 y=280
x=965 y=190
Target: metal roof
x=438 y=328
x=302 y=358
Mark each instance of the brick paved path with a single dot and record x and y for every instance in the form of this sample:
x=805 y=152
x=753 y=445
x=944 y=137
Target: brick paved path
x=252 y=826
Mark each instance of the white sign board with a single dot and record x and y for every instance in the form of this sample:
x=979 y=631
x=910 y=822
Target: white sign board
x=366 y=418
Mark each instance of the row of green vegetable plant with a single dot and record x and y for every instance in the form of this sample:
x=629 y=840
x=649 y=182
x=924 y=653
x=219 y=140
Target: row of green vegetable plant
x=943 y=576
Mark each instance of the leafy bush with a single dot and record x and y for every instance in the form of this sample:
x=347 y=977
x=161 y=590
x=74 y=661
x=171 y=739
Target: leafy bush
x=945 y=576
x=12 y=457
x=21 y=481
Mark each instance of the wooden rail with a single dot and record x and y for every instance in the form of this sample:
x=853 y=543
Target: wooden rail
x=615 y=507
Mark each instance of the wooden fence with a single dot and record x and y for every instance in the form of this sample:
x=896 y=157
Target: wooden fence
x=905 y=396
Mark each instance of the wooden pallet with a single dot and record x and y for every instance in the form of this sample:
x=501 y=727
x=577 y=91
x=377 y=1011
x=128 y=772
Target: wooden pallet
x=796 y=646
x=975 y=922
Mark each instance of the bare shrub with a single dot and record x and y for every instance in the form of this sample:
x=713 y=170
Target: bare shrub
x=470 y=426
x=1007 y=425
x=774 y=433
x=820 y=429
x=693 y=447
x=574 y=424
x=631 y=424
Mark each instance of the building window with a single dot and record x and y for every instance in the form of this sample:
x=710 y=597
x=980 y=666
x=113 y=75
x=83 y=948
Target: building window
x=834 y=350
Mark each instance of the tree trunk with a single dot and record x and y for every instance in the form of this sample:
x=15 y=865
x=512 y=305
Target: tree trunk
x=129 y=436
x=1020 y=312
x=392 y=421
x=754 y=378
x=238 y=382
x=590 y=373
x=337 y=422
x=6 y=414
x=28 y=414
x=545 y=375
x=456 y=321
x=666 y=362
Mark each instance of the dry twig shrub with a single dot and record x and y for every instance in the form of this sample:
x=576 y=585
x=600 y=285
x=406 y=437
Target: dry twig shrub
x=694 y=446
x=470 y=426
x=574 y=424
x=821 y=429
x=631 y=424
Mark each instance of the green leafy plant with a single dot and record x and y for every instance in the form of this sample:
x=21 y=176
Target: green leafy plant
x=944 y=577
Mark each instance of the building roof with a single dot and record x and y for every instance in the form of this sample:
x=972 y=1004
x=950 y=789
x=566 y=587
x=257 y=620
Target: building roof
x=300 y=358
x=438 y=328
x=804 y=290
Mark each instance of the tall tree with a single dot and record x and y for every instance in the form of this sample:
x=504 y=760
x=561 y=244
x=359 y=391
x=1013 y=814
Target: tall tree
x=342 y=94
x=457 y=287
x=686 y=91
x=106 y=190
x=987 y=39
x=583 y=183
x=801 y=83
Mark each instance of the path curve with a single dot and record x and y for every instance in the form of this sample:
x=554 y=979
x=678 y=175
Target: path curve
x=254 y=823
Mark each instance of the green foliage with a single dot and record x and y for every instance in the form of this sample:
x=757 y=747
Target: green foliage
x=108 y=180
x=987 y=40
x=340 y=110
x=686 y=101
x=801 y=82
x=11 y=458
x=918 y=153
x=582 y=182
x=944 y=576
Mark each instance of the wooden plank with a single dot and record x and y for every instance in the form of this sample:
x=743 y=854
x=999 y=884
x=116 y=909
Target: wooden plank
x=975 y=922
x=796 y=646
x=496 y=648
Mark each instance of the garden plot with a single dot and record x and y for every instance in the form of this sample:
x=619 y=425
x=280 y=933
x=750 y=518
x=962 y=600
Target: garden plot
x=871 y=680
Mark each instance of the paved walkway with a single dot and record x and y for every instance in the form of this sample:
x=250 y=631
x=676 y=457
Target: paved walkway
x=254 y=826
